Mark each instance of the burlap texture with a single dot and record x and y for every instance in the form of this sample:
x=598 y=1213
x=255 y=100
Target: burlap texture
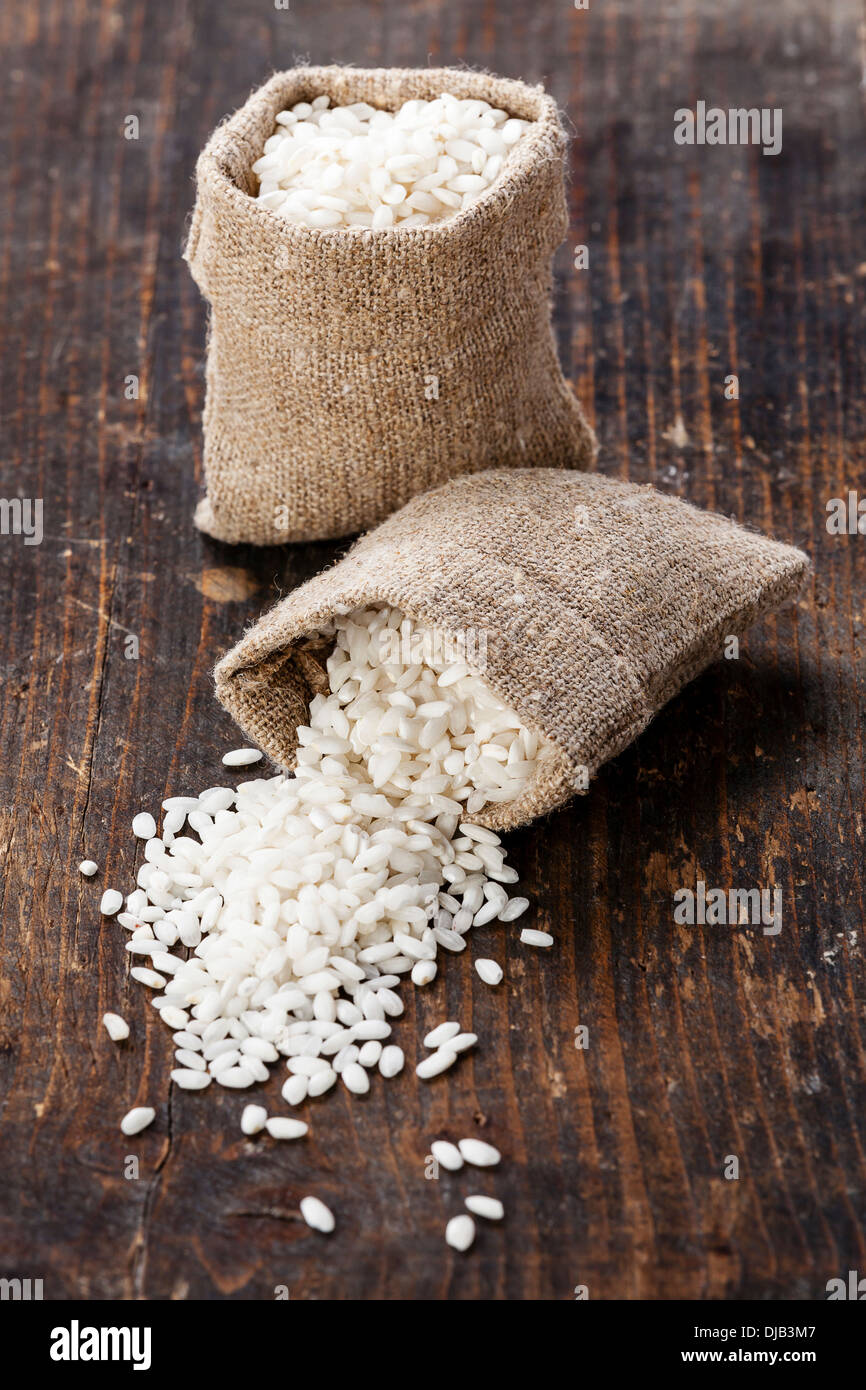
x=598 y=599
x=349 y=370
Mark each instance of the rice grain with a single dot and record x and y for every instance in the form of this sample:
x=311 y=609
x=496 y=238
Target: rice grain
x=317 y=1215
x=460 y=1232
x=137 y=1119
x=478 y=1153
x=488 y=1207
x=116 y=1027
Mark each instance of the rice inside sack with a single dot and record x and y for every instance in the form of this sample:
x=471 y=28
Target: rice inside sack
x=356 y=166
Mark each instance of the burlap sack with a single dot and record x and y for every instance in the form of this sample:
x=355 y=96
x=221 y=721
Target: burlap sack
x=349 y=370
x=597 y=601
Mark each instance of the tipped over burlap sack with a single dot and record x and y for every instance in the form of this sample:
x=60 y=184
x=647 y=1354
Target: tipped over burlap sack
x=596 y=601
x=348 y=370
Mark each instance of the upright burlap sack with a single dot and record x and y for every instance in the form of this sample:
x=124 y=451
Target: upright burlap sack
x=350 y=369
x=597 y=601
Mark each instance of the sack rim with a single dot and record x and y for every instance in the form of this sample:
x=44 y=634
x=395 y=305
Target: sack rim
x=544 y=143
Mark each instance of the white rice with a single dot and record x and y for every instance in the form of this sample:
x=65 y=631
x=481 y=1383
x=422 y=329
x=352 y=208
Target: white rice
x=529 y=937
x=391 y=1061
x=482 y=1155
x=144 y=826
x=190 y=1080
x=242 y=757
x=460 y=1232
x=437 y=1036
x=354 y=166
x=448 y=1155
x=303 y=901
x=355 y=1079
x=488 y=1207
x=137 y=1119
x=317 y=1215
x=490 y=971
x=436 y=1063
x=253 y=1119
x=281 y=1127
x=193 y=1061
x=294 y=1091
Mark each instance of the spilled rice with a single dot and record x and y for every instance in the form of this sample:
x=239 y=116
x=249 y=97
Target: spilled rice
x=275 y=921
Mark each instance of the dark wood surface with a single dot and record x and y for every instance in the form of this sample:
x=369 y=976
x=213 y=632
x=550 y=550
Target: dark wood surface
x=703 y=1043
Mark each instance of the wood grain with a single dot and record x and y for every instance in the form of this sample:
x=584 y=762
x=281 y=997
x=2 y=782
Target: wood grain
x=703 y=1043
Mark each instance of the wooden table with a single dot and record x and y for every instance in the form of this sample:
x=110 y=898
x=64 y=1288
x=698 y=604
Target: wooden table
x=703 y=1043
